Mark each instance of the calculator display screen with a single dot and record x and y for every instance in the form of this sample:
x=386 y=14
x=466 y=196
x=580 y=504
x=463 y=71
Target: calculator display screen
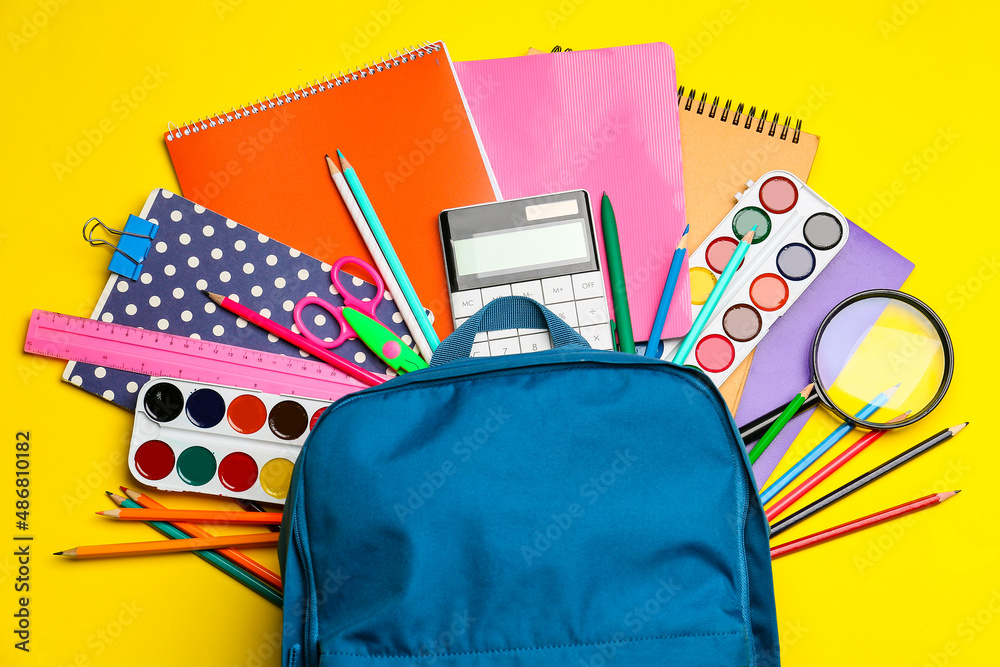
x=517 y=240
x=519 y=249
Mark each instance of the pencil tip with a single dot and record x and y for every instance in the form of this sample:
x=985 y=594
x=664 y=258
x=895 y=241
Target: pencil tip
x=948 y=494
x=749 y=235
x=57 y=553
x=808 y=390
x=955 y=429
x=108 y=493
x=344 y=164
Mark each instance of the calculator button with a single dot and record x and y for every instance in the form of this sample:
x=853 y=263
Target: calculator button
x=502 y=333
x=566 y=312
x=531 y=289
x=588 y=285
x=465 y=304
x=498 y=348
x=490 y=293
x=480 y=350
x=557 y=290
x=536 y=342
x=480 y=337
x=592 y=311
x=598 y=336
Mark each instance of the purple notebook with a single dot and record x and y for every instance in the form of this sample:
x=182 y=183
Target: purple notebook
x=781 y=361
x=197 y=249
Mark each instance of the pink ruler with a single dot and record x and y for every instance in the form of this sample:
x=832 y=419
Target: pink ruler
x=165 y=355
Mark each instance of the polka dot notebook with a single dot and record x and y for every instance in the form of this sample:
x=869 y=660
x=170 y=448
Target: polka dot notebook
x=198 y=249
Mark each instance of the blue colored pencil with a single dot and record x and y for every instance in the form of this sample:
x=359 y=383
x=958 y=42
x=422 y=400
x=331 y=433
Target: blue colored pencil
x=655 y=335
x=390 y=254
x=680 y=356
x=823 y=447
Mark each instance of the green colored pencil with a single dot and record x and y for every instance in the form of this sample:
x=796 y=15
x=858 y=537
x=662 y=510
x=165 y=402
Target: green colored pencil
x=234 y=571
x=616 y=275
x=681 y=355
x=786 y=416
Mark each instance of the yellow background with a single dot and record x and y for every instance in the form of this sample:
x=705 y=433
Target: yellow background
x=886 y=83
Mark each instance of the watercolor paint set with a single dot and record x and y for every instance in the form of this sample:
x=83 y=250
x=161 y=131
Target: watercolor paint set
x=798 y=234
x=226 y=441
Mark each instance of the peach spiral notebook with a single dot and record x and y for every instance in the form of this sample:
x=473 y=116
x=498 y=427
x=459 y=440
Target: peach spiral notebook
x=604 y=120
x=403 y=124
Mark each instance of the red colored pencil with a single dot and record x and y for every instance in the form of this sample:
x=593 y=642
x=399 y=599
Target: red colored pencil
x=860 y=524
x=300 y=342
x=833 y=466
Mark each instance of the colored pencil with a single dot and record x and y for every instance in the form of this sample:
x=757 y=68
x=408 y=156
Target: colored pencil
x=215 y=558
x=790 y=411
x=379 y=258
x=860 y=524
x=790 y=498
x=194 y=516
x=768 y=494
x=301 y=342
x=238 y=558
x=866 y=479
x=681 y=355
x=391 y=258
x=616 y=276
x=755 y=429
x=171 y=546
x=656 y=334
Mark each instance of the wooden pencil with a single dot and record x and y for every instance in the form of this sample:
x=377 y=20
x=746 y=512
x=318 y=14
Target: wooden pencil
x=194 y=516
x=391 y=283
x=238 y=558
x=867 y=478
x=786 y=415
x=170 y=546
x=214 y=558
x=860 y=524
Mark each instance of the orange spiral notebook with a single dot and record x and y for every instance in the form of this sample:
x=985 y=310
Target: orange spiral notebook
x=404 y=125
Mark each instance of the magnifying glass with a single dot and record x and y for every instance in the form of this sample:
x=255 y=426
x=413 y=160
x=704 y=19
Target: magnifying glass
x=877 y=355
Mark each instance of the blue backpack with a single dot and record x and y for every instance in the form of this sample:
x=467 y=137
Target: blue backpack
x=567 y=507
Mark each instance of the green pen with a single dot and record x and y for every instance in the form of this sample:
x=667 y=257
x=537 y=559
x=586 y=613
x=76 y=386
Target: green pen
x=616 y=275
x=389 y=347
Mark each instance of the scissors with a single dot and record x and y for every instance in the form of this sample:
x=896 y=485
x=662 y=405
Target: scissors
x=383 y=342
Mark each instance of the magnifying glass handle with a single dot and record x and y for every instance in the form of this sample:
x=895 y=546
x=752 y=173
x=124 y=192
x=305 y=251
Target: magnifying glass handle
x=752 y=431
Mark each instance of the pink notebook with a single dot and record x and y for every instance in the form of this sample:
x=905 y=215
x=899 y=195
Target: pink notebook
x=601 y=120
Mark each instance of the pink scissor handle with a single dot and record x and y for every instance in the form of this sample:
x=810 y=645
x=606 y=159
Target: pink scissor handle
x=346 y=331
x=366 y=307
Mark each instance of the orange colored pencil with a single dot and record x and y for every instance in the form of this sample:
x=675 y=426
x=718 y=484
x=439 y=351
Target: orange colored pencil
x=232 y=555
x=171 y=546
x=194 y=516
x=860 y=524
x=833 y=466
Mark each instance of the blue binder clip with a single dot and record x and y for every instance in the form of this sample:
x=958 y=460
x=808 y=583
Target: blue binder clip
x=133 y=246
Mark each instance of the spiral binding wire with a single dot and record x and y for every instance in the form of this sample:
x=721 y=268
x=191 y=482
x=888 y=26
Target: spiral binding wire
x=328 y=82
x=748 y=119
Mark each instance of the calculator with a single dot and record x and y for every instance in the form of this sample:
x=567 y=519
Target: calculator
x=541 y=247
